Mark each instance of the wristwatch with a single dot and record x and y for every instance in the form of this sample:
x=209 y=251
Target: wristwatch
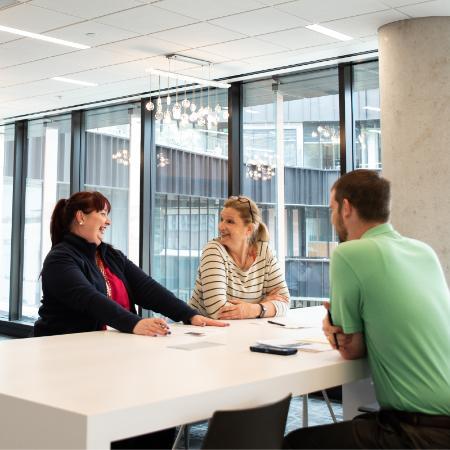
x=263 y=311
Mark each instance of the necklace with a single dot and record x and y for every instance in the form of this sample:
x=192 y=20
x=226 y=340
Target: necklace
x=101 y=267
x=248 y=261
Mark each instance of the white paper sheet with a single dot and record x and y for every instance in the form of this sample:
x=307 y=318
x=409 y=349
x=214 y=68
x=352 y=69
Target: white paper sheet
x=195 y=345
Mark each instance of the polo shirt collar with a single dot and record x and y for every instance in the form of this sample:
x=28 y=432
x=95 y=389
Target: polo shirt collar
x=379 y=229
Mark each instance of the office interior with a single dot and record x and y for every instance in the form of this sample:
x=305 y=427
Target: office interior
x=281 y=109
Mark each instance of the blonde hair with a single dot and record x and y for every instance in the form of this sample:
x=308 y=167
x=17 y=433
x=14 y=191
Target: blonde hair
x=249 y=213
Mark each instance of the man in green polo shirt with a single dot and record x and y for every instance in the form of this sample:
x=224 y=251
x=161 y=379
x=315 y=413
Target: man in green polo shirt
x=389 y=301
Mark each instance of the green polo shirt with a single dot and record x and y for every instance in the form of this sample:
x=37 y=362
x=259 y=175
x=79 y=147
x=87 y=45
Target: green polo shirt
x=393 y=290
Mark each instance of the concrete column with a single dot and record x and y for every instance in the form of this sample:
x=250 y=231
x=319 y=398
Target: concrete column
x=415 y=128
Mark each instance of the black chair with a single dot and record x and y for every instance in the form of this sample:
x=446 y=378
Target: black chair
x=369 y=408
x=261 y=427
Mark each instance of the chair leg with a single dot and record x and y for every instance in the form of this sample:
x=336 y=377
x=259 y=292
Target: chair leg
x=305 y=411
x=180 y=433
x=186 y=437
x=330 y=408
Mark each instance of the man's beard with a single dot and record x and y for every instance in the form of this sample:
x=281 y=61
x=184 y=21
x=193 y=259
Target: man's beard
x=341 y=230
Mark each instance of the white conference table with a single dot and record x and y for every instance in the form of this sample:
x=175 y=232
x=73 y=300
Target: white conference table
x=86 y=390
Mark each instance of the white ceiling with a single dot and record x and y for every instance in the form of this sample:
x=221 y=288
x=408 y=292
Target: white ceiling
x=128 y=36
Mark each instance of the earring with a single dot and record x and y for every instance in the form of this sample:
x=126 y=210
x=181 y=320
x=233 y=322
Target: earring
x=81 y=223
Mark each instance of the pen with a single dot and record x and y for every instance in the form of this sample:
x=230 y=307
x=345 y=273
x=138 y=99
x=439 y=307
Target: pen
x=165 y=327
x=334 y=334
x=276 y=323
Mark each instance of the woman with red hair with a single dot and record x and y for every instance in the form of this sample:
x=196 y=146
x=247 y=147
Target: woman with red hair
x=88 y=284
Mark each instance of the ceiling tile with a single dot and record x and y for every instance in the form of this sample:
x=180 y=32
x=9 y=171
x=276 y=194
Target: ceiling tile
x=433 y=8
x=262 y=21
x=366 y=24
x=122 y=54
x=25 y=50
x=86 y=59
x=146 y=19
x=222 y=70
x=25 y=73
x=66 y=64
x=162 y=63
x=145 y=46
x=7 y=110
x=202 y=10
x=296 y=38
x=99 y=93
x=244 y=48
x=113 y=74
x=35 y=19
x=309 y=54
x=205 y=56
x=118 y=72
x=16 y=108
x=321 y=11
x=147 y=2
x=6 y=37
x=128 y=71
x=23 y=91
x=271 y=2
x=397 y=3
x=91 y=33
x=198 y=35
x=86 y=9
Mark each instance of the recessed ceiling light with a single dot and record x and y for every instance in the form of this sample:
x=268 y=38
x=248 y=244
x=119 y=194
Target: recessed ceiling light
x=328 y=32
x=43 y=37
x=70 y=80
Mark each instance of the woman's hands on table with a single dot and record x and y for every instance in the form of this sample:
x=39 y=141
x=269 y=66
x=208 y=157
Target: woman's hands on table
x=237 y=309
x=153 y=326
x=159 y=327
x=202 y=321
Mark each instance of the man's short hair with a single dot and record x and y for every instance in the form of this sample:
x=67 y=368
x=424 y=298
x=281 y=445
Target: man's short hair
x=367 y=191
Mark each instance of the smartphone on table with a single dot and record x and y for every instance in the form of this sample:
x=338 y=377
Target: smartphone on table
x=284 y=351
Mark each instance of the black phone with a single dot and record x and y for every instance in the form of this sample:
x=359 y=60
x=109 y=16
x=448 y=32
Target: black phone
x=261 y=348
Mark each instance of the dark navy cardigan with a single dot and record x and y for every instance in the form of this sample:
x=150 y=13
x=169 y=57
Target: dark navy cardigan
x=74 y=291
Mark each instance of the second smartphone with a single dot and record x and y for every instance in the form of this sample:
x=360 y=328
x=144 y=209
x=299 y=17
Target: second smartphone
x=261 y=348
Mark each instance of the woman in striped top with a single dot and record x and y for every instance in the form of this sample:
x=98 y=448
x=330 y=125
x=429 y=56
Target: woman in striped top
x=238 y=276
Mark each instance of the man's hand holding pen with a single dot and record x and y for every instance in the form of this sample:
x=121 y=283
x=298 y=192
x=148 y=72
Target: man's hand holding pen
x=336 y=337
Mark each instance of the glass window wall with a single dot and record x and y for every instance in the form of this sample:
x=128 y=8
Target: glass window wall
x=47 y=180
x=366 y=113
x=191 y=184
x=6 y=194
x=112 y=167
x=291 y=159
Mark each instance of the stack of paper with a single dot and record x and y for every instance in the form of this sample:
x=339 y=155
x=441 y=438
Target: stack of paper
x=307 y=345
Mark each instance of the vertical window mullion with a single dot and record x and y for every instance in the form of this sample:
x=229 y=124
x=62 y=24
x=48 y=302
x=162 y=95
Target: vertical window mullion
x=77 y=151
x=235 y=139
x=18 y=217
x=346 y=117
x=148 y=189
x=148 y=186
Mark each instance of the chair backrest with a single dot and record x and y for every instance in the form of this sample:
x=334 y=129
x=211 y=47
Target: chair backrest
x=261 y=427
